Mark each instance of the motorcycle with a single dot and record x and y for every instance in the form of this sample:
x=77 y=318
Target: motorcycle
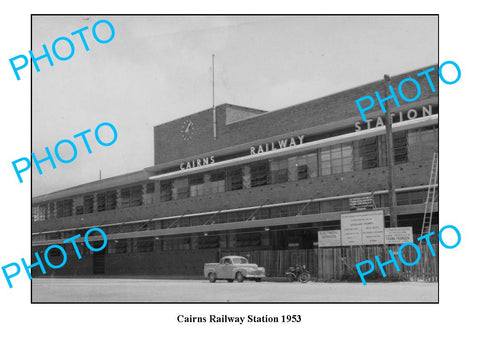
x=298 y=272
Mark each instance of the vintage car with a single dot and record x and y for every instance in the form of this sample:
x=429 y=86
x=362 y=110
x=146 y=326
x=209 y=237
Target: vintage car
x=233 y=268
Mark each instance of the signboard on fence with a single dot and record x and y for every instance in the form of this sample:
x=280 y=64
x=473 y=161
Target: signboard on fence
x=363 y=228
x=329 y=238
x=398 y=235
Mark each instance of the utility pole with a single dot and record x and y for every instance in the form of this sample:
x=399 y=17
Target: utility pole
x=390 y=158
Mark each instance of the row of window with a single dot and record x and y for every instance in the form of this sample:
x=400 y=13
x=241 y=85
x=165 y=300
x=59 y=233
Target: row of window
x=358 y=155
x=100 y=202
x=338 y=205
x=148 y=244
x=412 y=145
x=298 y=236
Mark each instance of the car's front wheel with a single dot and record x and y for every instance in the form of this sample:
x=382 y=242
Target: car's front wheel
x=212 y=277
x=239 y=277
x=258 y=279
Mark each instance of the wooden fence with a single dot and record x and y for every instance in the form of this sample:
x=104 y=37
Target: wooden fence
x=338 y=263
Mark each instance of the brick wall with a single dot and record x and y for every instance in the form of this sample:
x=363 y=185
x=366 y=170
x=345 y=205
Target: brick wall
x=170 y=146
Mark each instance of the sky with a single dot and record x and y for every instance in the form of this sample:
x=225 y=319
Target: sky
x=158 y=68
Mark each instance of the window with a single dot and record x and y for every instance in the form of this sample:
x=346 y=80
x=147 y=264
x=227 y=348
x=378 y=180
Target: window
x=219 y=218
x=340 y=205
x=88 y=204
x=422 y=143
x=150 y=188
x=144 y=245
x=217 y=182
x=207 y=242
x=183 y=222
x=69 y=234
x=262 y=213
x=38 y=238
x=259 y=173
x=110 y=200
x=78 y=210
x=305 y=166
x=118 y=246
x=367 y=153
x=336 y=159
x=131 y=196
x=400 y=147
x=35 y=213
x=51 y=210
x=412 y=197
x=196 y=185
x=335 y=205
x=166 y=191
x=198 y=220
x=169 y=244
x=106 y=201
x=64 y=208
x=311 y=208
x=238 y=216
x=248 y=240
x=180 y=188
x=234 y=178
x=137 y=195
x=42 y=212
x=100 y=202
x=284 y=211
x=279 y=170
x=169 y=223
x=54 y=236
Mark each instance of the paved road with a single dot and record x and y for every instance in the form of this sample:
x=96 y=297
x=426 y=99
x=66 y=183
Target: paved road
x=142 y=290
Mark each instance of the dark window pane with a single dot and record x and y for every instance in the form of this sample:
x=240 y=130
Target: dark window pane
x=234 y=178
x=166 y=191
x=259 y=174
x=150 y=188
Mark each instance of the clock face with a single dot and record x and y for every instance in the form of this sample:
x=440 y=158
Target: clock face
x=187 y=130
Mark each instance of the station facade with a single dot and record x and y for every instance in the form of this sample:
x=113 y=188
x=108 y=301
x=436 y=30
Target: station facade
x=246 y=180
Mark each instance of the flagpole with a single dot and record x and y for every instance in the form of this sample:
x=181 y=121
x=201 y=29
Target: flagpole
x=213 y=99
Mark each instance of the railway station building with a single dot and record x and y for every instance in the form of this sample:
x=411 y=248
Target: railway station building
x=240 y=180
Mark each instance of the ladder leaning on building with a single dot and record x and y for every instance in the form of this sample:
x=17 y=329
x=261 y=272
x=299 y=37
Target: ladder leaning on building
x=429 y=202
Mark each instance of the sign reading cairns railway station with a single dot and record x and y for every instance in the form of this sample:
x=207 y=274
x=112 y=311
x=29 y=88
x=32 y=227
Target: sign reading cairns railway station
x=410 y=114
x=287 y=142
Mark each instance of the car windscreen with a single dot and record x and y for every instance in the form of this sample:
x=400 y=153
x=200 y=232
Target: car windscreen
x=239 y=261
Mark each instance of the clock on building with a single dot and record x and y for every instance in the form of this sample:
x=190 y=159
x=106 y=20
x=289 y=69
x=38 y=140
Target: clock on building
x=187 y=130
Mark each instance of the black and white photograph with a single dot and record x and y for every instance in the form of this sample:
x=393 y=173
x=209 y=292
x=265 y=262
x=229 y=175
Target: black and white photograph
x=208 y=173
x=270 y=159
